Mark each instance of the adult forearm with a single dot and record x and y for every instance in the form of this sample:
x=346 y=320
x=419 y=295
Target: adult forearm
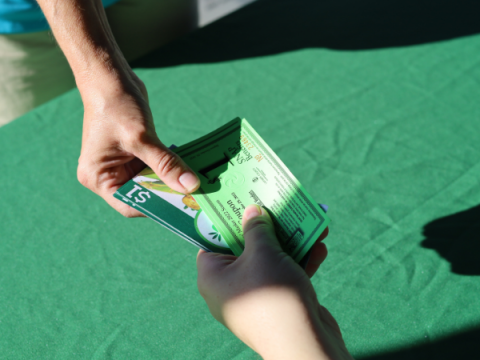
x=119 y=135
x=82 y=31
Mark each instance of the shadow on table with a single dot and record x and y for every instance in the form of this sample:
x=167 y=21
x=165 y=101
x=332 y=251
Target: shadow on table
x=457 y=239
x=463 y=345
x=274 y=26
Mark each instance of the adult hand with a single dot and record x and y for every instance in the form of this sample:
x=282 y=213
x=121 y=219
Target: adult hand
x=119 y=136
x=266 y=299
x=119 y=139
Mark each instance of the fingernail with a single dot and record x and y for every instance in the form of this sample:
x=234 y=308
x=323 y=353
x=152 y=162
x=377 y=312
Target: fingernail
x=252 y=211
x=189 y=181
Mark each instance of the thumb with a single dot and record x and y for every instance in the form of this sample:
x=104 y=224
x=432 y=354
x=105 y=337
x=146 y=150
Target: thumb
x=258 y=229
x=169 y=167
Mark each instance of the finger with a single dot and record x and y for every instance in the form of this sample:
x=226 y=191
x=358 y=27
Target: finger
x=200 y=252
x=134 y=166
x=324 y=234
x=106 y=192
x=258 y=229
x=105 y=183
x=205 y=267
x=121 y=207
x=205 y=270
x=318 y=254
x=317 y=257
x=169 y=167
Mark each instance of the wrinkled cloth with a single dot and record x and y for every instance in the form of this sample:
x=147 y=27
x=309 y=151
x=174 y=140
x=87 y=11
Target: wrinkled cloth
x=387 y=137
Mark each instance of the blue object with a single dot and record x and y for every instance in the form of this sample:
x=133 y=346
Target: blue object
x=25 y=16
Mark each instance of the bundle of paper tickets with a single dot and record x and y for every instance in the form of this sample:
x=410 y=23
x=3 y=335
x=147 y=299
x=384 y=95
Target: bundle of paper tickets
x=236 y=168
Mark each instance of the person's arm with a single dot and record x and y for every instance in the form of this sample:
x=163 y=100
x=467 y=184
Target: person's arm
x=119 y=135
x=266 y=299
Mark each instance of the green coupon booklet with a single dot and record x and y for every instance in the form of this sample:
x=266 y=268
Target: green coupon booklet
x=177 y=212
x=236 y=168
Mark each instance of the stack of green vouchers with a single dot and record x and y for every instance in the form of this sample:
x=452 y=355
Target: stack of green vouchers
x=236 y=168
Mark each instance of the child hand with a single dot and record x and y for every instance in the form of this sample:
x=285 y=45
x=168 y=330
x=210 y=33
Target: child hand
x=266 y=299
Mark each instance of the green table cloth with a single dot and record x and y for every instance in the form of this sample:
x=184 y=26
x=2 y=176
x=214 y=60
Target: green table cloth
x=374 y=106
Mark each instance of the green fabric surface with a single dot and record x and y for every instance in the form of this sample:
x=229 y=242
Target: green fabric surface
x=374 y=106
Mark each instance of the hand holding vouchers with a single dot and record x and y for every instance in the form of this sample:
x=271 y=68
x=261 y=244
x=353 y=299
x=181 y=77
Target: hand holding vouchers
x=237 y=168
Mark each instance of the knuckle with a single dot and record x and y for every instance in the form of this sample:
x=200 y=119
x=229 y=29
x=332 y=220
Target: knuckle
x=258 y=222
x=258 y=225
x=128 y=214
x=82 y=176
x=134 y=135
x=167 y=163
x=201 y=288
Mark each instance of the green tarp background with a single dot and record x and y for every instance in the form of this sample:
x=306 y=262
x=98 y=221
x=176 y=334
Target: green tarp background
x=374 y=106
